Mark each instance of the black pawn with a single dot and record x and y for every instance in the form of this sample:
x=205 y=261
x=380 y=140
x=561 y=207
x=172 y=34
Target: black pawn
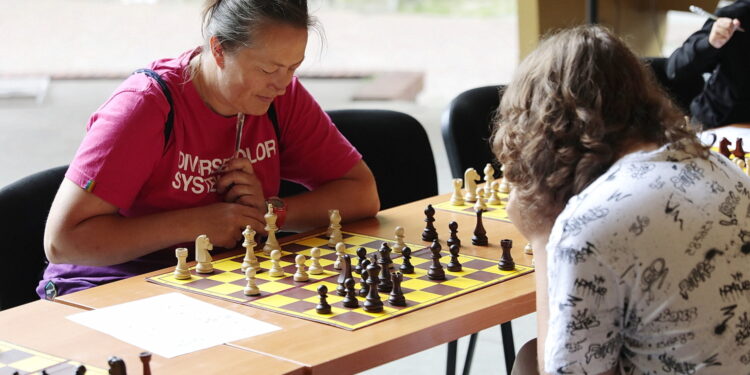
x=373 y=302
x=406 y=266
x=351 y=297
x=385 y=256
x=362 y=256
x=364 y=287
x=116 y=366
x=454 y=265
x=436 y=271
x=81 y=370
x=453 y=240
x=480 y=235
x=323 y=307
x=429 y=233
x=506 y=261
x=397 y=295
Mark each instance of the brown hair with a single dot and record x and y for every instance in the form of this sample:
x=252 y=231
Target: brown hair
x=575 y=104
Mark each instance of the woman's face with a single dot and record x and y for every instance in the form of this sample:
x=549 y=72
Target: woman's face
x=252 y=77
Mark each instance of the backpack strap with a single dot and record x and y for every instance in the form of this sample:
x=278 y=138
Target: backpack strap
x=275 y=122
x=170 y=117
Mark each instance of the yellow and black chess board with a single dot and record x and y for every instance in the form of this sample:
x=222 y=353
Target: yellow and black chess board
x=17 y=359
x=286 y=296
x=494 y=212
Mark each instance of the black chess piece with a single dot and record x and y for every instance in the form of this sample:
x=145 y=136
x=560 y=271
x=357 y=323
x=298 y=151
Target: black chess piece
x=429 y=233
x=406 y=266
x=351 y=297
x=146 y=359
x=397 y=295
x=453 y=240
x=323 y=307
x=385 y=284
x=506 y=261
x=81 y=370
x=385 y=256
x=436 y=271
x=344 y=274
x=480 y=235
x=373 y=302
x=454 y=265
x=362 y=256
x=364 y=287
x=116 y=366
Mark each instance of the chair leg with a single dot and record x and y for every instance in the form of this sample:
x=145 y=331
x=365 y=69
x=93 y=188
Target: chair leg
x=451 y=365
x=509 y=349
x=470 y=353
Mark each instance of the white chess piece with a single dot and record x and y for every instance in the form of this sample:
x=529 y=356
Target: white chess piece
x=251 y=289
x=271 y=228
x=740 y=163
x=181 y=272
x=489 y=177
x=470 y=184
x=495 y=194
x=747 y=162
x=202 y=247
x=457 y=199
x=276 y=270
x=315 y=268
x=249 y=244
x=340 y=251
x=300 y=275
x=504 y=185
x=399 y=245
x=527 y=249
x=480 y=204
x=336 y=235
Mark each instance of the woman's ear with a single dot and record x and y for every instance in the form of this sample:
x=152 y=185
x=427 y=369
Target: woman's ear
x=217 y=51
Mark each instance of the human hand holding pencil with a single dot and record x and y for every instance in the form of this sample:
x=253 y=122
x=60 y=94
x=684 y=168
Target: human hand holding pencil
x=723 y=27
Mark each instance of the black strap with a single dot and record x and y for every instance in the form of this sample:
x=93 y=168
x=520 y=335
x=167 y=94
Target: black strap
x=275 y=122
x=170 y=117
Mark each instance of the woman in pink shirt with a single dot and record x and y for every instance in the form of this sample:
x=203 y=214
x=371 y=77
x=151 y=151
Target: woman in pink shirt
x=133 y=190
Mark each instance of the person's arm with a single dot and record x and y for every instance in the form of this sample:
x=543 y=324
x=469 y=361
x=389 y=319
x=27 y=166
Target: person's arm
x=84 y=229
x=695 y=57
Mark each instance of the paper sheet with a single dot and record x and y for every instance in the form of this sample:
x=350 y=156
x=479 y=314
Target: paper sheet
x=172 y=324
x=729 y=132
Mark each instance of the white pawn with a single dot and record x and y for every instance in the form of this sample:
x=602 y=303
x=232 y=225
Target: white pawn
x=740 y=163
x=202 y=247
x=315 y=268
x=504 y=186
x=489 y=177
x=470 y=184
x=340 y=251
x=251 y=289
x=480 y=205
x=399 y=245
x=527 y=249
x=457 y=199
x=495 y=194
x=335 y=227
x=271 y=228
x=747 y=170
x=300 y=275
x=276 y=270
x=249 y=244
x=181 y=272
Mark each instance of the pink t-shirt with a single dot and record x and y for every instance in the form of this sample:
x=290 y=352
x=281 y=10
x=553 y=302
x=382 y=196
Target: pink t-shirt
x=123 y=159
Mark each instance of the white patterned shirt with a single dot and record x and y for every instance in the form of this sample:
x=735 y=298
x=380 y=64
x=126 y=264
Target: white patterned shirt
x=646 y=269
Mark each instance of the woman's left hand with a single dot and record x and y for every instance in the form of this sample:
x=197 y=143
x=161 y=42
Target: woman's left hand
x=239 y=184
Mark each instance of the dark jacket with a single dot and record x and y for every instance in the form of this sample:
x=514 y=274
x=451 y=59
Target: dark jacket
x=726 y=96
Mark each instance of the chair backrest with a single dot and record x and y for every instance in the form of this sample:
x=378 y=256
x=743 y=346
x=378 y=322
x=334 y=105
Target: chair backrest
x=24 y=206
x=682 y=90
x=396 y=148
x=467 y=125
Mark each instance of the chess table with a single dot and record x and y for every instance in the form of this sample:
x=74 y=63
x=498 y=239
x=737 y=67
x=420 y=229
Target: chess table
x=325 y=349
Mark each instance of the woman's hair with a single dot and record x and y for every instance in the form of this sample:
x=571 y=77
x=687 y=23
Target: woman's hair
x=235 y=22
x=574 y=106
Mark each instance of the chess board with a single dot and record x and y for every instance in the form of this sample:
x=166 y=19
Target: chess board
x=14 y=358
x=493 y=212
x=286 y=296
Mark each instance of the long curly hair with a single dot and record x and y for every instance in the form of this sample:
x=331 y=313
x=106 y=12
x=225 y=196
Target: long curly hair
x=575 y=104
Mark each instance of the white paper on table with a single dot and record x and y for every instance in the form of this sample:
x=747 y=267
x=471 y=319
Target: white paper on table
x=729 y=132
x=172 y=324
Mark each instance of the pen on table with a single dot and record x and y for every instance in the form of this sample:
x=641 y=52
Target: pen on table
x=238 y=135
x=699 y=11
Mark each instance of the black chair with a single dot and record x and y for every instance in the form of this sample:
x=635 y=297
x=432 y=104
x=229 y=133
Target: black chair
x=396 y=148
x=466 y=127
x=24 y=206
x=682 y=90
